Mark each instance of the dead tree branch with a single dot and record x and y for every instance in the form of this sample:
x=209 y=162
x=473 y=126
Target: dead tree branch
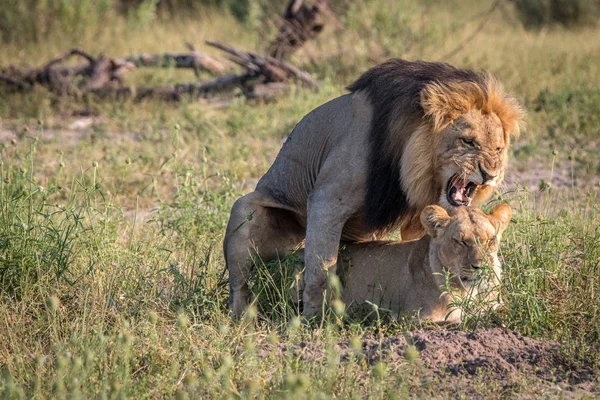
x=299 y=23
x=463 y=44
x=271 y=69
x=15 y=84
x=195 y=60
x=263 y=77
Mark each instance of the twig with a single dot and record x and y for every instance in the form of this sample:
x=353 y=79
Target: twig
x=195 y=60
x=269 y=66
x=67 y=55
x=13 y=82
x=215 y=85
x=242 y=58
x=298 y=24
x=464 y=43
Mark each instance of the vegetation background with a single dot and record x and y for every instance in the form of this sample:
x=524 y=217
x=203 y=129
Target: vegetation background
x=112 y=213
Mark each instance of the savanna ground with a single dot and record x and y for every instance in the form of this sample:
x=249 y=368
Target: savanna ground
x=112 y=217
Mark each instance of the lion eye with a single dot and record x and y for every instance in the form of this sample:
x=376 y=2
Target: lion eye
x=498 y=149
x=468 y=142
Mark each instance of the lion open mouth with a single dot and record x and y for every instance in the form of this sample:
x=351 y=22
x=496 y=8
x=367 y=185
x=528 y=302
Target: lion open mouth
x=460 y=192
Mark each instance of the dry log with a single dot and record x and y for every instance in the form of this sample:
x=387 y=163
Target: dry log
x=268 y=91
x=196 y=60
x=271 y=69
x=299 y=23
x=17 y=85
x=175 y=93
x=59 y=78
x=102 y=71
x=263 y=78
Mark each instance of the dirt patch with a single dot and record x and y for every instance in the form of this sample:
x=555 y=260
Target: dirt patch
x=504 y=353
x=501 y=354
x=574 y=166
x=537 y=176
x=77 y=131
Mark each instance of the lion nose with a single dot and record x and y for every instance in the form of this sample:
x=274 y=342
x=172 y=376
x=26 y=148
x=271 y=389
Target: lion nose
x=486 y=176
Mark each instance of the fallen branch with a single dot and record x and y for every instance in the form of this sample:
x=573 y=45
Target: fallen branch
x=195 y=60
x=263 y=78
x=18 y=85
x=59 y=78
x=272 y=69
x=176 y=92
x=268 y=91
x=299 y=24
x=216 y=85
x=206 y=90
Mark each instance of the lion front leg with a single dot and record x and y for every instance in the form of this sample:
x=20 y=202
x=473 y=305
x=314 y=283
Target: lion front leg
x=411 y=229
x=322 y=244
x=326 y=220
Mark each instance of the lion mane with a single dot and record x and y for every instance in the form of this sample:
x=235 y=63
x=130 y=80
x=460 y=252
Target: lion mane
x=412 y=103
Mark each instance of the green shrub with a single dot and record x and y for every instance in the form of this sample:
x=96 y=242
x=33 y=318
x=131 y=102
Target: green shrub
x=275 y=288
x=571 y=112
x=551 y=264
x=382 y=22
x=570 y=13
x=32 y=20
x=43 y=229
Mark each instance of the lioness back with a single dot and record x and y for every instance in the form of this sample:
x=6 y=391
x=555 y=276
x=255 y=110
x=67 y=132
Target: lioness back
x=391 y=275
x=408 y=277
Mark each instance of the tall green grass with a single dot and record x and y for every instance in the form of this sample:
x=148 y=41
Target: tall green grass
x=35 y=20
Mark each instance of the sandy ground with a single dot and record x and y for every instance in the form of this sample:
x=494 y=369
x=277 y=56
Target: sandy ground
x=455 y=358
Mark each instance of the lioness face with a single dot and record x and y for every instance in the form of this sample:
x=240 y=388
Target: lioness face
x=473 y=156
x=468 y=239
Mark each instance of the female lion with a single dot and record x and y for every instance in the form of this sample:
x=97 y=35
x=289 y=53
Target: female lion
x=409 y=277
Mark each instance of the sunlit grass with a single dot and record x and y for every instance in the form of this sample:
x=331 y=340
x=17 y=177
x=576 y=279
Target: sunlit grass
x=111 y=223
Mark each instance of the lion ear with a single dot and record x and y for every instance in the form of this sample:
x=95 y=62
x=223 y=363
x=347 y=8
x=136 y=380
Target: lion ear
x=435 y=220
x=444 y=103
x=501 y=215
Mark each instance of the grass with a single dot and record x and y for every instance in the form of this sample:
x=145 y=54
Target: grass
x=111 y=267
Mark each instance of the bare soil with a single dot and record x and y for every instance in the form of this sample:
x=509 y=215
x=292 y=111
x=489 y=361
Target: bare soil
x=451 y=356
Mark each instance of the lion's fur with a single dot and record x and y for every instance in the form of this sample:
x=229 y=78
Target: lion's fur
x=409 y=277
x=370 y=161
x=413 y=103
x=445 y=102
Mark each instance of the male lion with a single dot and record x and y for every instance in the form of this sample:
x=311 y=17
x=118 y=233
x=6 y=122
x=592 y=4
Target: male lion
x=409 y=134
x=410 y=276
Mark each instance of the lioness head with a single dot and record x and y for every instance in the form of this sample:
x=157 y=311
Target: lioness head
x=472 y=123
x=467 y=239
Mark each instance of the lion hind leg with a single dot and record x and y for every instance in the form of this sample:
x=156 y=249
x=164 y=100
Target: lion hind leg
x=256 y=227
